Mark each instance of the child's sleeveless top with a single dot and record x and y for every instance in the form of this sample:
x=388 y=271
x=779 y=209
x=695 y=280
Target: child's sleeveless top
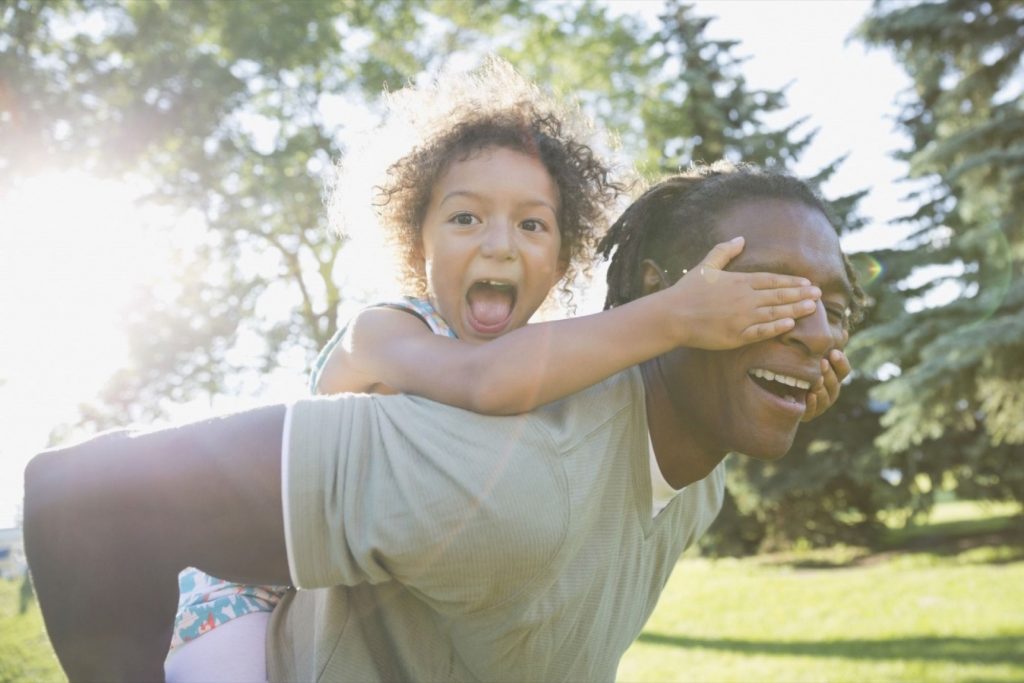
x=205 y=601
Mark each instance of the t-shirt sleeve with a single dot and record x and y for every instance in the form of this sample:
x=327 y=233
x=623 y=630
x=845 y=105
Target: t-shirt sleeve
x=461 y=508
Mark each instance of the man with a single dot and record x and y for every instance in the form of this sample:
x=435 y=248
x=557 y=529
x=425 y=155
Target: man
x=450 y=546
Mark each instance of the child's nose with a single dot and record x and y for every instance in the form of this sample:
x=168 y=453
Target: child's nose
x=499 y=241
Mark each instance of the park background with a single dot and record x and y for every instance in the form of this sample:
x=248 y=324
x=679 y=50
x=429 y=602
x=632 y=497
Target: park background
x=164 y=252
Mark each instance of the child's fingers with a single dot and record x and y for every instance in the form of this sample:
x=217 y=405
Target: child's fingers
x=834 y=369
x=825 y=393
x=774 y=281
x=817 y=401
x=811 y=409
x=782 y=311
x=839 y=363
x=786 y=295
x=766 y=330
x=720 y=255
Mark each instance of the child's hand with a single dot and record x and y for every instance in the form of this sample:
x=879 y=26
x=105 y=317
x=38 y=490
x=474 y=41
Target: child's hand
x=820 y=398
x=725 y=310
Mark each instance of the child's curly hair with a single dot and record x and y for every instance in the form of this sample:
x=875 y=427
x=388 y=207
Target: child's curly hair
x=458 y=115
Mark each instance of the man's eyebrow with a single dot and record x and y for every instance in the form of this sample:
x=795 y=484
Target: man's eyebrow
x=838 y=283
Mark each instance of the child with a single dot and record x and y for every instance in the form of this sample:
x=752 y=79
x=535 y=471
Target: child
x=498 y=203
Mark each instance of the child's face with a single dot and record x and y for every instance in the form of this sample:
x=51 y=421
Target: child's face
x=491 y=242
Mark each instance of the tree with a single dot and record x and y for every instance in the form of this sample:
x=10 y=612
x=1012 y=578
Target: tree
x=954 y=336
x=697 y=106
x=227 y=110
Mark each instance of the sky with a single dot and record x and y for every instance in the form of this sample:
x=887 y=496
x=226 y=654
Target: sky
x=72 y=248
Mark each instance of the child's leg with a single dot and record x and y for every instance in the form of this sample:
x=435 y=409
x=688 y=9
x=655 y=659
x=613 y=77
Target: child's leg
x=234 y=652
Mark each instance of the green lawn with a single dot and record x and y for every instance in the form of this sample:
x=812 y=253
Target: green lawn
x=25 y=654
x=944 y=602
x=936 y=612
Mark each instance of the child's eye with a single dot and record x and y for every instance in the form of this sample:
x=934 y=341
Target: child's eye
x=532 y=225
x=464 y=218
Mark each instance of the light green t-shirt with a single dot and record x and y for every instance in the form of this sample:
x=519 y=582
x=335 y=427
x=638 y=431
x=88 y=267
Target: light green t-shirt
x=454 y=546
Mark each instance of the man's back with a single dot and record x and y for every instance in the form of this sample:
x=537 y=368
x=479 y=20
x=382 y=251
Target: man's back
x=527 y=552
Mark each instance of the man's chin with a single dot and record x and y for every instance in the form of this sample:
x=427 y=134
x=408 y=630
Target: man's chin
x=769 y=450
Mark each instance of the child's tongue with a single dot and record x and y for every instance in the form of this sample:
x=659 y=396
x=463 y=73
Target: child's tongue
x=490 y=307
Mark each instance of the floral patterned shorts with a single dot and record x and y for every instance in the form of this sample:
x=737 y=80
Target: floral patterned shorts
x=205 y=602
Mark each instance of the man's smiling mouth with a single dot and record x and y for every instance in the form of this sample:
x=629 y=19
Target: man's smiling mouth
x=784 y=386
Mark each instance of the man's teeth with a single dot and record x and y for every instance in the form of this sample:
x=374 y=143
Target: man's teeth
x=783 y=379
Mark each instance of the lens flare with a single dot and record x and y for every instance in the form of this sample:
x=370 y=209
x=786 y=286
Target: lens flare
x=867 y=267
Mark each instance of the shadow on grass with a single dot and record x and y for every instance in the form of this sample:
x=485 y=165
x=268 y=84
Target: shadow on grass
x=989 y=650
x=1007 y=527
x=1006 y=543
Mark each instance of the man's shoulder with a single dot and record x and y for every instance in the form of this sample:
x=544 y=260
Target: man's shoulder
x=614 y=404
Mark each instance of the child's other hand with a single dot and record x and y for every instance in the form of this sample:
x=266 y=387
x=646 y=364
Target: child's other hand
x=724 y=310
x=820 y=398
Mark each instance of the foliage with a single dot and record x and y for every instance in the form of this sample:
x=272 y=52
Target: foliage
x=26 y=593
x=698 y=106
x=234 y=112
x=233 y=122
x=25 y=652
x=953 y=335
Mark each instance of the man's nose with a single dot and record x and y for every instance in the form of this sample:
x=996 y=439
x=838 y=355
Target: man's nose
x=815 y=333
x=499 y=240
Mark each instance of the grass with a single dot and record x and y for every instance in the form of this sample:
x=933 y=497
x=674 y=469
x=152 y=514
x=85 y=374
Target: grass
x=942 y=601
x=25 y=653
x=948 y=607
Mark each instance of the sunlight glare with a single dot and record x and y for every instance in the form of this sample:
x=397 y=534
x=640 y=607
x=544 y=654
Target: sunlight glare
x=72 y=250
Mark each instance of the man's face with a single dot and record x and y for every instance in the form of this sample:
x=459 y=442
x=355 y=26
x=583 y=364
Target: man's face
x=741 y=400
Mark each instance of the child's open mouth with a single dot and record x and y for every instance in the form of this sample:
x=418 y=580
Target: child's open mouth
x=490 y=305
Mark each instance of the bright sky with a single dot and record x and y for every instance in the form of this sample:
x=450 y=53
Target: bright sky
x=72 y=248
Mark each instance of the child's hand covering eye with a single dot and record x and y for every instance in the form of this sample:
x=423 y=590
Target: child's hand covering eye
x=719 y=309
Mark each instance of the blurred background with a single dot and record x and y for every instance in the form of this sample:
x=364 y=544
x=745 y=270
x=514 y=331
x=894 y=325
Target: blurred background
x=165 y=253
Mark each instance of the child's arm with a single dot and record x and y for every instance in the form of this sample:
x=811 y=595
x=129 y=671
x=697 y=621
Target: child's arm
x=536 y=364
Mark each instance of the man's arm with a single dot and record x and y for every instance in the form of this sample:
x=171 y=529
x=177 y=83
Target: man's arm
x=109 y=523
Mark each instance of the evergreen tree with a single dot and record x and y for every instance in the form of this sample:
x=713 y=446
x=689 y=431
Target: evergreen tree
x=953 y=335
x=701 y=109
x=698 y=106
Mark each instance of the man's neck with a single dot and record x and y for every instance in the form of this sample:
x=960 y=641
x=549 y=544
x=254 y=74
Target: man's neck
x=682 y=455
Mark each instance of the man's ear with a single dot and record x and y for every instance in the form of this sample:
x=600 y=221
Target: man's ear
x=653 y=277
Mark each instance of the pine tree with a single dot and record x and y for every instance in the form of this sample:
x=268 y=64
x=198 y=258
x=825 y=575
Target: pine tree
x=701 y=108
x=698 y=106
x=954 y=333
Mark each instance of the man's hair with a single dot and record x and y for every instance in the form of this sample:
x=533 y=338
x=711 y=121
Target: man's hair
x=673 y=221
x=457 y=116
